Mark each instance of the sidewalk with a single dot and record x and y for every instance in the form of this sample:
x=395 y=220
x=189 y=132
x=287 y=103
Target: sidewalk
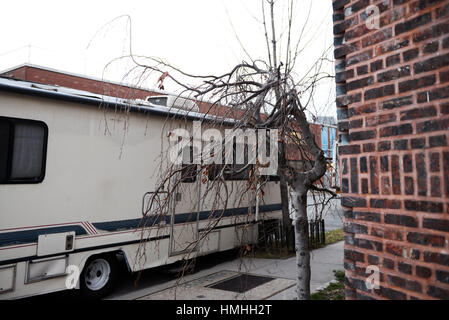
x=198 y=285
x=323 y=262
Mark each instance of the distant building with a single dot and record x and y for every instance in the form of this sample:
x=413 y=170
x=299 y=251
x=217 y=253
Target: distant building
x=328 y=120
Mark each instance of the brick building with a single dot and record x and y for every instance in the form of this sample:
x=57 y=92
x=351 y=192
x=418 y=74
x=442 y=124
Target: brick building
x=38 y=74
x=393 y=110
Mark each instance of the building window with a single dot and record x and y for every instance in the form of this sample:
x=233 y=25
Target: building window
x=23 y=148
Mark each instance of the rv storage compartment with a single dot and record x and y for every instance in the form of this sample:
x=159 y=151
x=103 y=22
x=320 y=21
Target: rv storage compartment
x=38 y=270
x=210 y=242
x=7 y=277
x=55 y=243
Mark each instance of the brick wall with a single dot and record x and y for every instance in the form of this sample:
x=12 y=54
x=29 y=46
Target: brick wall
x=393 y=110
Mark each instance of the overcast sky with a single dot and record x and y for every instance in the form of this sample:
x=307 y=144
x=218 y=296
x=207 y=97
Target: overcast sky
x=199 y=36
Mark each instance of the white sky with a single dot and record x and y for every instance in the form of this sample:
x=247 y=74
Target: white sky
x=198 y=36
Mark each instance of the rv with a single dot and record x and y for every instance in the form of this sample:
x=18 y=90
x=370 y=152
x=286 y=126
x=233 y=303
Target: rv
x=76 y=172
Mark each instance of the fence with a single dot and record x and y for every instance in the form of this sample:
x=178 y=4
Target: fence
x=317 y=233
x=271 y=234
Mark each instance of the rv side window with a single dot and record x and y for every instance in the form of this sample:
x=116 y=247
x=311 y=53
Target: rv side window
x=189 y=170
x=188 y=173
x=214 y=171
x=238 y=171
x=272 y=178
x=23 y=145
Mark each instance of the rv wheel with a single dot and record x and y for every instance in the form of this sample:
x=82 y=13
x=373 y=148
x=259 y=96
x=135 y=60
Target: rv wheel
x=99 y=276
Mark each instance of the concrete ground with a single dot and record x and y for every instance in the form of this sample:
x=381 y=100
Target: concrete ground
x=323 y=262
x=197 y=285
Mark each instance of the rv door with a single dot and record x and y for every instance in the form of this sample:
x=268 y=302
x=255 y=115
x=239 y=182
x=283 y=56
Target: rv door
x=185 y=217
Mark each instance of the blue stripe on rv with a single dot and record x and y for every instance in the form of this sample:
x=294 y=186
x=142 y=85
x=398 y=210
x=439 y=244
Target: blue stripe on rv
x=130 y=223
x=30 y=236
x=181 y=218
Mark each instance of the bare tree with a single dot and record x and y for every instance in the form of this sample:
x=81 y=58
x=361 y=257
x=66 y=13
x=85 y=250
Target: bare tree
x=257 y=94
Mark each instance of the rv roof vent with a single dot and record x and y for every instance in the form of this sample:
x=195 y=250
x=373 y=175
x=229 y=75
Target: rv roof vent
x=141 y=102
x=171 y=101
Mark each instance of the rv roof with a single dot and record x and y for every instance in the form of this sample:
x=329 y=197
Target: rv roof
x=129 y=85
x=85 y=97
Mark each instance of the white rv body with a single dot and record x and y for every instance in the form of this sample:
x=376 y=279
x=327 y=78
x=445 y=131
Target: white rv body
x=100 y=162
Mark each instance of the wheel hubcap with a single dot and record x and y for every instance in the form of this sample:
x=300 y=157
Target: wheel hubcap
x=97 y=274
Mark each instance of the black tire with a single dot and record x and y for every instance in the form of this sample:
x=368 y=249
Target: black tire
x=95 y=280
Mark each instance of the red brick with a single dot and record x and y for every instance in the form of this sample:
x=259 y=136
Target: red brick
x=402 y=120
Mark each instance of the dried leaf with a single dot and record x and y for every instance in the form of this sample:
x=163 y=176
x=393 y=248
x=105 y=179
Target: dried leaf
x=161 y=80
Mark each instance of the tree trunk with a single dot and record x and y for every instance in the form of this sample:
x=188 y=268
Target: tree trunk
x=298 y=198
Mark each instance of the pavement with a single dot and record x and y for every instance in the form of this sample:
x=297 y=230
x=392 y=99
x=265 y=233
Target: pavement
x=322 y=263
x=200 y=285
